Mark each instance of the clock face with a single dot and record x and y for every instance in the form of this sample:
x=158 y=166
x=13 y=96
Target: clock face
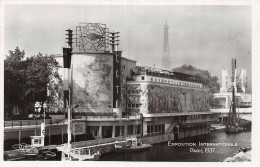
x=92 y=37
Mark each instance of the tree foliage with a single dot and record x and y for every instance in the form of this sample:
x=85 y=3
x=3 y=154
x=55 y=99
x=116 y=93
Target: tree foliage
x=189 y=69
x=13 y=78
x=30 y=79
x=207 y=79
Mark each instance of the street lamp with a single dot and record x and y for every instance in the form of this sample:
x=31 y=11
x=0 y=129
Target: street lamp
x=44 y=110
x=43 y=124
x=37 y=105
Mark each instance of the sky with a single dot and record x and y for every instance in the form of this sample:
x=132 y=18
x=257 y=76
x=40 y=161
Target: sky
x=206 y=37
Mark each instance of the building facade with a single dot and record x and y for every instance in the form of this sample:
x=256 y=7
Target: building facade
x=117 y=98
x=166 y=100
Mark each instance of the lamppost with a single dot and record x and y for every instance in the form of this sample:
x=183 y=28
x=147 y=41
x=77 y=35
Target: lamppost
x=37 y=106
x=44 y=110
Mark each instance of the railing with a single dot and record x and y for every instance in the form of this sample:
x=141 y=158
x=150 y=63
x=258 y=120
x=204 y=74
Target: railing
x=197 y=120
x=37 y=122
x=177 y=113
x=97 y=142
x=109 y=118
x=100 y=117
x=133 y=136
x=138 y=116
x=154 y=134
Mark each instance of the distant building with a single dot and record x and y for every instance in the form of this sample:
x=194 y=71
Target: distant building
x=224 y=97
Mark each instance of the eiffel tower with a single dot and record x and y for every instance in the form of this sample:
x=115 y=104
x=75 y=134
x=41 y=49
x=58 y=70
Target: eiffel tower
x=166 y=61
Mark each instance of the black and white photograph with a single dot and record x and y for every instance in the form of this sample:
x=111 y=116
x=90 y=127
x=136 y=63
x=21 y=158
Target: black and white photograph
x=128 y=83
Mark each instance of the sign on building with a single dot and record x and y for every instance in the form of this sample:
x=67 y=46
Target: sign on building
x=92 y=37
x=116 y=79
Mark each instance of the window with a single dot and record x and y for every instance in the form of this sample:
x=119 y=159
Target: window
x=133 y=105
x=151 y=79
x=142 y=77
x=137 y=105
x=37 y=141
x=148 y=129
x=129 y=105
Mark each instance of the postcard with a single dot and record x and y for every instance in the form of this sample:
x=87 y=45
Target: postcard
x=130 y=82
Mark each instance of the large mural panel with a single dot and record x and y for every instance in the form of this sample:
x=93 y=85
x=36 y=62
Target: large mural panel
x=92 y=82
x=165 y=99
x=147 y=98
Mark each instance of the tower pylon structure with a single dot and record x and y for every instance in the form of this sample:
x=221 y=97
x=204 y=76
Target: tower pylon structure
x=166 y=61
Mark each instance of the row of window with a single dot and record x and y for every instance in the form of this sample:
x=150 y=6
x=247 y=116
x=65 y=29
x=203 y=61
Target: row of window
x=194 y=117
x=198 y=127
x=246 y=103
x=133 y=105
x=155 y=128
x=136 y=92
x=174 y=82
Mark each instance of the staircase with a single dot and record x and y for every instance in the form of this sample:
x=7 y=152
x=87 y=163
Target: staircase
x=168 y=130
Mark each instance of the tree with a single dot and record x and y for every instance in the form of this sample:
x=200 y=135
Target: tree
x=14 y=69
x=189 y=69
x=207 y=79
x=30 y=80
x=43 y=80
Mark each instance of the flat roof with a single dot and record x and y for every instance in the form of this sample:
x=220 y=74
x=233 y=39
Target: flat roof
x=128 y=59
